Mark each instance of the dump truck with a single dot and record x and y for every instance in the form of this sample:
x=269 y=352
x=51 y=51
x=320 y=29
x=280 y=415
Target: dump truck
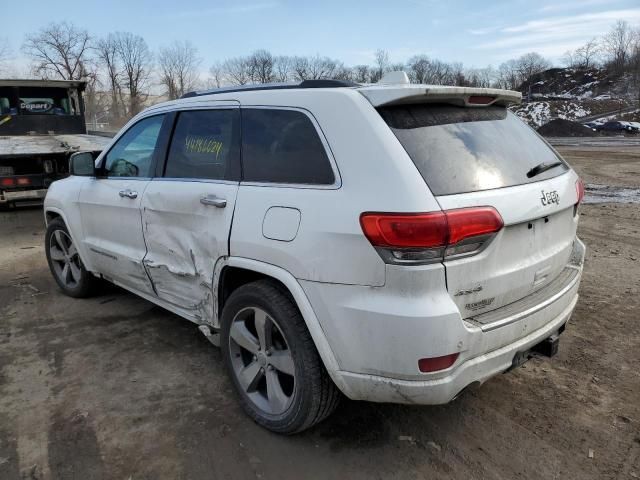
x=41 y=124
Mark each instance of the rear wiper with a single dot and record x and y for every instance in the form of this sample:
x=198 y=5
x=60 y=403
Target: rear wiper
x=543 y=167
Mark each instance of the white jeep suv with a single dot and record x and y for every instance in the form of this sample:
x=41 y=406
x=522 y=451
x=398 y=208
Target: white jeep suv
x=393 y=242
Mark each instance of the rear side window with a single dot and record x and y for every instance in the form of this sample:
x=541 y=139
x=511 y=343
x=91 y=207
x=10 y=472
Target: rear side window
x=205 y=145
x=458 y=150
x=283 y=146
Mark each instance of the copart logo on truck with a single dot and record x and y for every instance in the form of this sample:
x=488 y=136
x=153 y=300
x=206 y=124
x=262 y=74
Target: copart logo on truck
x=550 y=197
x=36 y=107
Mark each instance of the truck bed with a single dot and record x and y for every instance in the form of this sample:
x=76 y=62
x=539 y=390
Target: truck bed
x=30 y=163
x=44 y=144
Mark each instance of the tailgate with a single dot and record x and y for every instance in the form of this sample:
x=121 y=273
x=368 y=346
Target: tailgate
x=527 y=254
x=486 y=157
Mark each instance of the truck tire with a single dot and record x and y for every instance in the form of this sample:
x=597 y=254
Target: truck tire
x=272 y=360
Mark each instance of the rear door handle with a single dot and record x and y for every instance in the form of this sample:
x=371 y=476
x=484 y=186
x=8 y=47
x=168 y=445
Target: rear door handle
x=128 y=193
x=213 y=200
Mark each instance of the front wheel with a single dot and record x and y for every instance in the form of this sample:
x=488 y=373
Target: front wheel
x=272 y=360
x=64 y=261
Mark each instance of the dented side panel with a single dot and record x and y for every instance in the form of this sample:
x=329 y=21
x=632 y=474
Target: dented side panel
x=184 y=239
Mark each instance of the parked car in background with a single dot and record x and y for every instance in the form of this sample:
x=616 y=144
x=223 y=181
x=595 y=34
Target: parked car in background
x=633 y=127
x=618 y=126
x=393 y=242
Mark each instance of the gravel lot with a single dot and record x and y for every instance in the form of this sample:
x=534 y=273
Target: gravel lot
x=115 y=388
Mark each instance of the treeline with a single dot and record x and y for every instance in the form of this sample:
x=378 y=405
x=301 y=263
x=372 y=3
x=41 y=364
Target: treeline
x=263 y=67
x=122 y=70
x=618 y=51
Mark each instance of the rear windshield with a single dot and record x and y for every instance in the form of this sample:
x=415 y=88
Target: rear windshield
x=460 y=150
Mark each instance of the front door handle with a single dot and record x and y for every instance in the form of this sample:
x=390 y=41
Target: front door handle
x=128 y=193
x=213 y=200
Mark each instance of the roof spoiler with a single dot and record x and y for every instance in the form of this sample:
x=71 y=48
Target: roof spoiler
x=380 y=96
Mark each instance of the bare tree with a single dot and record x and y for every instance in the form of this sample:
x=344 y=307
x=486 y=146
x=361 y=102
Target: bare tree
x=261 y=65
x=419 y=67
x=529 y=64
x=361 y=74
x=584 y=56
x=588 y=53
x=282 y=68
x=634 y=61
x=58 y=50
x=456 y=73
x=5 y=53
x=481 y=77
x=300 y=67
x=321 y=67
x=508 y=75
x=179 y=64
x=617 y=43
x=216 y=76
x=237 y=70
x=107 y=56
x=382 y=64
x=136 y=60
x=94 y=101
x=570 y=59
x=342 y=72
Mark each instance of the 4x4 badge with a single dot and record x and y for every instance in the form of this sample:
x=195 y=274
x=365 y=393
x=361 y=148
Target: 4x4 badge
x=550 y=197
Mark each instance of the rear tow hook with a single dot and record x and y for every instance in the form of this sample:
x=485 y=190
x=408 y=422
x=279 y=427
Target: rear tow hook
x=548 y=347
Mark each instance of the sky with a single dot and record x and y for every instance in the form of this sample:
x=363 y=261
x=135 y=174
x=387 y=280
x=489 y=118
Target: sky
x=476 y=33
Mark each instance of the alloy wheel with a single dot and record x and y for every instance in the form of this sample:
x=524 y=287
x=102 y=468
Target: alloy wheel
x=262 y=361
x=65 y=259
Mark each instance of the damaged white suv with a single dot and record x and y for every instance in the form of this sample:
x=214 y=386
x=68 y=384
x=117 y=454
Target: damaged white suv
x=393 y=242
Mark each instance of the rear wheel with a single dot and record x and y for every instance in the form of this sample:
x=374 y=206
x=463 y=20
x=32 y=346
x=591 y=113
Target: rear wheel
x=65 y=263
x=272 y=360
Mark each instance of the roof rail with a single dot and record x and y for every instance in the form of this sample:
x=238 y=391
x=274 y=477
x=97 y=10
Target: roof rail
x=326 y=83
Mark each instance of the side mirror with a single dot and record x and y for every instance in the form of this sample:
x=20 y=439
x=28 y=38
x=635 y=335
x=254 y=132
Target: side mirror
x=82 y=164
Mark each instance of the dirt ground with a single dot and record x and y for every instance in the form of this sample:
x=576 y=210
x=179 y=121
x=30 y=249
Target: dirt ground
x=115 y=388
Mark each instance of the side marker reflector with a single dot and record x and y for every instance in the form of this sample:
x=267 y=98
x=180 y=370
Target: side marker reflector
x=434 y=364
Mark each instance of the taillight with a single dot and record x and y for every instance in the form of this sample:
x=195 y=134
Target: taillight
x=418 y=238
x=7 y=182
x=403 y=230
x=580 y=190
x=24 y=181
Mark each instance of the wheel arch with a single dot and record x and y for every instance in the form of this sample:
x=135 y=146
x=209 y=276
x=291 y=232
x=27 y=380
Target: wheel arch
x=232 y=272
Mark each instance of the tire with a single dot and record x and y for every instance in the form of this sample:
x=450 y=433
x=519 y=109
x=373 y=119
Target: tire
x=309 y=393
x=65 y=263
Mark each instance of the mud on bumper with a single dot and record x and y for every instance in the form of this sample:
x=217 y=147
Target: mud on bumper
x=529 y=323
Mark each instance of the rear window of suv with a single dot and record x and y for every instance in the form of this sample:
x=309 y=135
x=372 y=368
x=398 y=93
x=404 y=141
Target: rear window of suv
x=459 y=150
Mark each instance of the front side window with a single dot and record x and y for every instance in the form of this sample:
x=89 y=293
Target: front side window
x=283 y=146
x=132 y=154
x=206 y=145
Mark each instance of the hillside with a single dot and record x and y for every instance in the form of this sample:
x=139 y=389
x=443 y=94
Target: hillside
x=571 y=94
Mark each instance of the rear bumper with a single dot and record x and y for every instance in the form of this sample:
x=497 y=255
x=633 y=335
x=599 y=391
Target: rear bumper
x=472 y=372
x=22 y=195
x=378 y=335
